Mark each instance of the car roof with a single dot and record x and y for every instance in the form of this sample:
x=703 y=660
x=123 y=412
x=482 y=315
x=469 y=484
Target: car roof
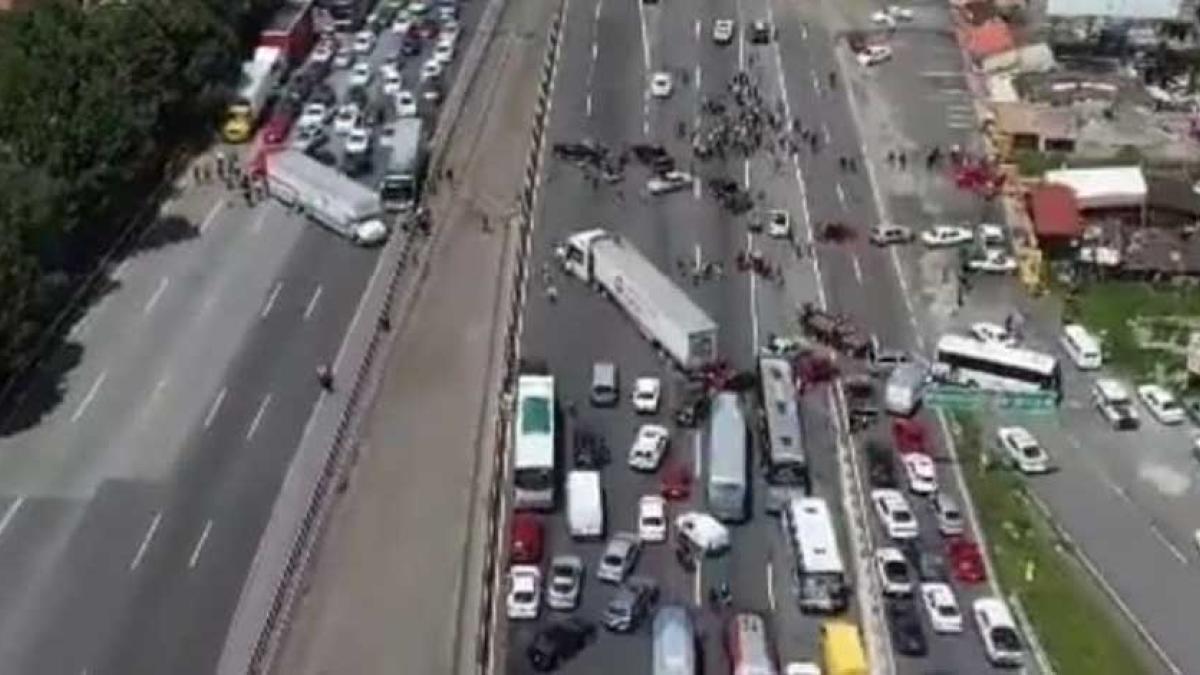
x=1019 y=435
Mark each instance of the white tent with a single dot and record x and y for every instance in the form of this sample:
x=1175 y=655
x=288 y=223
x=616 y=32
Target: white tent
x=1103 y=188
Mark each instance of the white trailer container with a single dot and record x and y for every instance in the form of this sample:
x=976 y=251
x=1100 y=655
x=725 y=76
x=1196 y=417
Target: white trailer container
x=327 y=196
x=585 y=505
x=660 y=309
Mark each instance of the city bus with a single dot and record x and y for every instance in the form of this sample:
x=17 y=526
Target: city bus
x=748 y=647
x=986 y=365
x=728 y=484
x=819 y=571
x=784 y=460
x=534 y=443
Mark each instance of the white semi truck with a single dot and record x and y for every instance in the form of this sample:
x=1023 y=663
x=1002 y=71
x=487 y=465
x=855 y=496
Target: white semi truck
x=327 y=196
x=660 y=309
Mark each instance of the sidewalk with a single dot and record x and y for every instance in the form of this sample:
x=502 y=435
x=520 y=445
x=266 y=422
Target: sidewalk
x=397 y=580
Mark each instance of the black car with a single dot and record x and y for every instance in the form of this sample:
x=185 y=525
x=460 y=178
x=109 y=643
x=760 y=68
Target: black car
x=692 y=406
x=930 y=565
x=630 y=604
x=558 y=642
x=589 y=451
x=410 y=46
x=907 y=635
x=760 y=32
x=881 y=466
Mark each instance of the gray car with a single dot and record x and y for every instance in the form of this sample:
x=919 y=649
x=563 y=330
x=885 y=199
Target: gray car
x=564 y=583
x=630 y=604
x=620 y=555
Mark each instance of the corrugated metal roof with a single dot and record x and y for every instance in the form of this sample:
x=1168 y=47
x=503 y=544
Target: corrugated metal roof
x=1106 y=187
x=1121 y=9
x=1054 y=211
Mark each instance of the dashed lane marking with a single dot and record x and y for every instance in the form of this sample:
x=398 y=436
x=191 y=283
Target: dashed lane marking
x=258 y=417
x=200 y=545
x=146 y=538
x=162 y=287
x=87 y=400
x=10 y=513
x=212 y=410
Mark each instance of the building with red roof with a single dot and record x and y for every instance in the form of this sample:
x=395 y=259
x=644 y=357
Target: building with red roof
x=1055 y=214
x=988 y=38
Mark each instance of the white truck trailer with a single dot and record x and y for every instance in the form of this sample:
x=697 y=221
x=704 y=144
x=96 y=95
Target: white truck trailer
x=660 y=309
x=327 y=196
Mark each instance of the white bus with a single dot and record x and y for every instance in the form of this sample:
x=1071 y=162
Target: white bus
x=819 y=572
x=987 y=365
x=533 y=443
x=1081 y=346
x=783 y=441
x=728 y=484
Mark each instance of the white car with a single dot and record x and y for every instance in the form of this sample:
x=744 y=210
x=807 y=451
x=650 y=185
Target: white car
x=393 y=81
x=873 y=55
x=990 y=234
x=895 y=514
x=444 y=53
x=921 y=473
x=882 y=18
x=670 y=181
x=371 y=232
x=524 y=592
x=986 y=331
x=722 y=32
x=1023 y=450
x=1112 y=400
x=358 y=141
x=346 y=119
x=779 y=224
x=661 y=84
x=1161 y=403
x=942 y=607
x=364 y=42
x=419 y=8
x=406 y=104
x=993 y=261
x=431 y=70
x=649 y=447
x=894 y=574
x=801 y=668
x=361 y=75
x=703 y=531
x=324 y=51
x=343 y=58
x=313 y=115
x=652 y=518
x=402 y=23
x=900 y=13
x=565 y=582
x=647 y=391
x=887 y=234
x=946 y=235
x=449 y=32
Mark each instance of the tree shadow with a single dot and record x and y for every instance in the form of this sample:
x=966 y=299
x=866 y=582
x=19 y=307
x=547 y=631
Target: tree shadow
x=166 y=230
x=43 y=390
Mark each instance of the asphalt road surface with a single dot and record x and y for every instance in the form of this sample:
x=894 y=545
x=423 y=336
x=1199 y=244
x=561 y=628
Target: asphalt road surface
x=140 y=468
x=610 y=51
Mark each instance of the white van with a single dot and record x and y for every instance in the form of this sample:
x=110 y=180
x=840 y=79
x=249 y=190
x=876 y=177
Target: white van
x=1001 y=642
x=904 y=388
x=585 y=505
x=1081 y=346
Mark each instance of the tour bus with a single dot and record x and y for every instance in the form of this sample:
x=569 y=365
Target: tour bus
x=533 y=445
x=783 y=442
x=992 y=366
x=818 y=568
x=747 y=645
x=728 y=484
x=1081 y=346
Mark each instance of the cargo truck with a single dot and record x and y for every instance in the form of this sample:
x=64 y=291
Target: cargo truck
x=401 y=184
x=660 y=309
x=327 y=196
x=260 y=76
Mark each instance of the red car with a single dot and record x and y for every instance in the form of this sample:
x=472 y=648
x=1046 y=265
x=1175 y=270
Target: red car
x=676 y=481
x=966 y=561
x=815 y=367
x=527 y=539
x=909 y=436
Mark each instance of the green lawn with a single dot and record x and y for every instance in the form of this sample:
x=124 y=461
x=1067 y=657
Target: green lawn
x=1107 y=309
x=1076 y=630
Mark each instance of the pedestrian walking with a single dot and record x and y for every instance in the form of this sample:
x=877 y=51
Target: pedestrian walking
x=903 y=159
x=487 y=225
x=891 y=157
x=449 y=175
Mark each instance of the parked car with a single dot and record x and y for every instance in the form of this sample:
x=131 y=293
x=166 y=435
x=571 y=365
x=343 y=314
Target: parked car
x=946 y=235
x=559 y=642
x=942 y=608
x=524 y=592
x=630 y=603
x=313 y=115
x=565 y=583
x=347 y=118
x=620 y=556
x=361 y=74
x=364 y=42
x=1161 y=403
x=652 y=518
x=358 y=141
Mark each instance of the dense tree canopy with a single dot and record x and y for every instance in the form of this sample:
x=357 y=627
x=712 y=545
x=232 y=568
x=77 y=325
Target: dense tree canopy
x=93 y=102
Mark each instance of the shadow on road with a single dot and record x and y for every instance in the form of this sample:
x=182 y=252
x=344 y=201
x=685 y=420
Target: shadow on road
x=167 y=230
x=43 y=390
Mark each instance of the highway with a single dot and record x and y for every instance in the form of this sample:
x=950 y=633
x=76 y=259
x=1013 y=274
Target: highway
x=139 y=469
x=600 y=94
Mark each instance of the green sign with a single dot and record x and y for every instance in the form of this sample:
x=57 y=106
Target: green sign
x=971 y=398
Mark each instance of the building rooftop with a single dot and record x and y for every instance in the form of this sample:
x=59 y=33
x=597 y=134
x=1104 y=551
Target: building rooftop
x=1160 y=10
x=1054 y=211
x=1035 y=119
x=988 y=38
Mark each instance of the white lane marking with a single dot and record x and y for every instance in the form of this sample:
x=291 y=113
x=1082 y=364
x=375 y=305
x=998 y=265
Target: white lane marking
x=271 y=299
x=120 y=271
x=697 y=30
x=698 y=78
x=646 y=116
x=961 y=108
x=595 y=49
x=80 y=327
x=816 y=81
x=212 y=409
x=137 y=558
x=697 y=449
x=598 y=6
x=588 y=104
x=212 y=214
x=87 y=400
x=857 y=268
x=841 y=194
x=258 y=416
x=199 y=545
x=959 y=124
x=696 y=188
x=258 y=222
x=741 y=37
x=770 y=586
x=698 y=256
x=312 y=303
x=158 y=387
x=698 y=584
x=746 y=174
x=645 y=41
x=803 y=31
x=753 y=298
x=10 y=513
x=162 y=286
x=825 y=133
x=941 y=73
x=953 y=91
x=1169 y=544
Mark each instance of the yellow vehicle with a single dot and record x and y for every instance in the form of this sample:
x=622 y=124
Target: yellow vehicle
x=259 y=77
x=842 y=648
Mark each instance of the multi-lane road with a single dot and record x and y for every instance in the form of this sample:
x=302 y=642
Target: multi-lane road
x=601 y=93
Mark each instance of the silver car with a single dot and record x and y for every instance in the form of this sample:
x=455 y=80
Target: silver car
x=620 y=555
x=564 y=583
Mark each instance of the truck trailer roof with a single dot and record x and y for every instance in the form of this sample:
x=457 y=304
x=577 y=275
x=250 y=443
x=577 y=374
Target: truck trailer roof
x=339 y=193
x=406 y=145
